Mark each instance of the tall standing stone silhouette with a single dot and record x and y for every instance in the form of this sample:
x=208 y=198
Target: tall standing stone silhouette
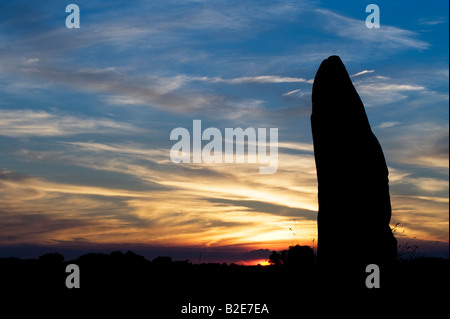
x=354 y=201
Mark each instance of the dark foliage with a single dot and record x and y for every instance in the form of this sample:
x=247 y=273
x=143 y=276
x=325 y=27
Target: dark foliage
x=295 y=256
x=109 y=282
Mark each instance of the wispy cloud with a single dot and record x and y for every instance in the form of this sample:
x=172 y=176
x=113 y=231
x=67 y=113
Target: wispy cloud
x=387 y=124
x=431 y=22
x=421 y=217
x=427 y=186
x=221 y=212
x=380 y=91
x=306 y=147
x=21 y=123
x=260 y=79
x=422 y=144
x=291 y=92
x=386 y=37
x=362 y=72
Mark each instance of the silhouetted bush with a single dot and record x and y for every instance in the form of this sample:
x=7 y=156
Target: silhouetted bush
x=295 y=256
x=275 y=258
x=52 y=258
x=300 y=256
x=162 y=261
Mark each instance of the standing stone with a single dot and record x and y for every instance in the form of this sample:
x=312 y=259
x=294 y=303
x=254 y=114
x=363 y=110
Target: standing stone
x=354 y=202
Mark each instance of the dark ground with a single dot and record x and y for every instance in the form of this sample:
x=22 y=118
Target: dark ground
x=129 y=285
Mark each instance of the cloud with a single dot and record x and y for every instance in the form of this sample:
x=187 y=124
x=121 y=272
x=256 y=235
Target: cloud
x=169 y=94
x=305 y=147
x=432 y=22
x=422 y=144
x=386 y=37
x=387 y=124
x=421 y=217
x=185 y=207
x=376 y=91
x=172 y=94
x=265 y=207
x=260 y=79
x=129 y=89
x=199 y=204
x=31 y=60
x=431 y=187
x=192 y=176
x=62 y=210
x=291 y=92
x=21 y=123
x=13 y=226
x=391 y=87
x=362 y=72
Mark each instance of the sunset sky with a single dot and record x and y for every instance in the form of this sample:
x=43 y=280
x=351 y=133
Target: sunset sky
x=86 y=115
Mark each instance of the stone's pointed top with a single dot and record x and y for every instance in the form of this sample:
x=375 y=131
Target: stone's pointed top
x=332 y=61
x=333 y=93
x=332 y=69
x=331 y=84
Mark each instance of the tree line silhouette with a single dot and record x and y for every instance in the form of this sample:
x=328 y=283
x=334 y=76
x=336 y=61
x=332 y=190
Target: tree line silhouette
x=166 y=284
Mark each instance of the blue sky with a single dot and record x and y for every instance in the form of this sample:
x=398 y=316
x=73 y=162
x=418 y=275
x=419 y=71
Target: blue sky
x=86 y=114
